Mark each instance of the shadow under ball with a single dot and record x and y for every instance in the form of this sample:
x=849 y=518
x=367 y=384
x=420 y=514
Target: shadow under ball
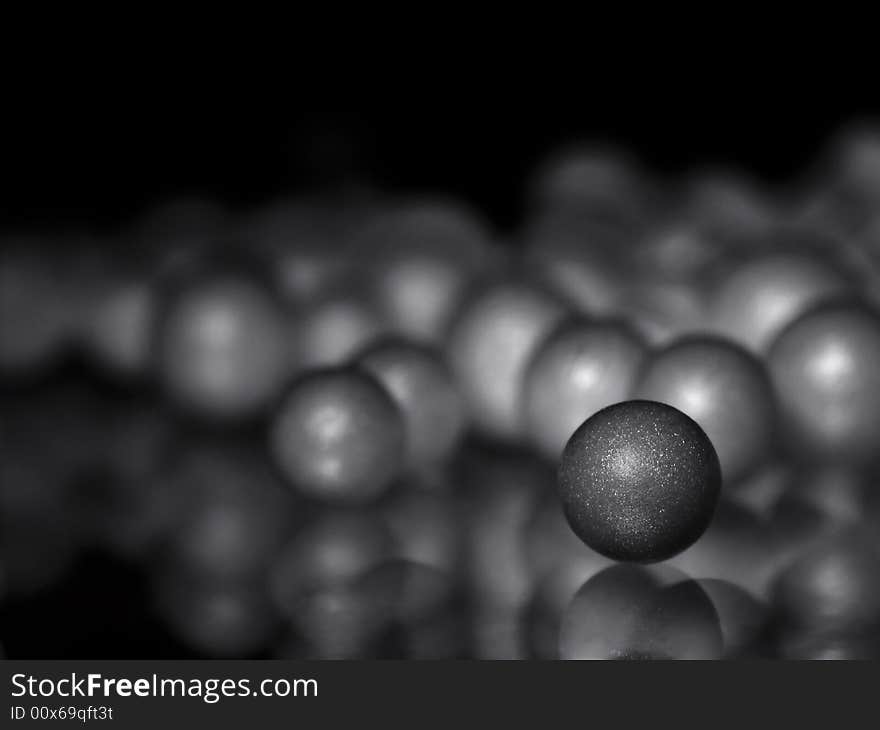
x=579 y=369
x=339 y=436
x=826 y=369
x=723 y=388
x=639 y=481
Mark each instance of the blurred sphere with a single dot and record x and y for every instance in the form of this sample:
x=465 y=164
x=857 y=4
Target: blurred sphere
x=217 y=620
x=639 y=481
x=332 y=329
x=858 y=161
x=117 y=323
x=423 y=388
x=236 y=517
x=833 y=586
x=758 y=297
x=34 y=318
x=332 y=551
x=663 y=311
x=760 y=491
x=724 y=389
x=422 y=258
x=835 y=494
x=729 y=207
x=579 y=369
x=221 y=348
x=320 y=583
x=489 y=347
x=602 y=182
x=425 y=529
x=741 y=616
x=676 y=252
x=845 y=190
x=579 y=259
x=824 y=367
x=306 y=243
x=419 y=295
x=339 y=436
x=339 y=622
x=629 y=612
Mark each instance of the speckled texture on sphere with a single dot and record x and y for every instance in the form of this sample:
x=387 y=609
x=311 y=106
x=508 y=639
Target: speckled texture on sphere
x=639 y=481
x=339 y=436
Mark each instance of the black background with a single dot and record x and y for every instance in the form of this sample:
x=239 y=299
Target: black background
x=96 y=161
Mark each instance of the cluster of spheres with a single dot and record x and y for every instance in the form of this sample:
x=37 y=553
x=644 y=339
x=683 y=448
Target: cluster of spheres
x=644 y=423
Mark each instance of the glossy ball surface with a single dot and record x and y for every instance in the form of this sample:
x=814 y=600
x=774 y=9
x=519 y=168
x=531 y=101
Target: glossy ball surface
x=760 y=296
x=723 y=388
x=332 y=330
x=423 y=255
x=339 y=436
x=221 y=348
x=422 y=386
x=579 y=369
x=489 y=347
x=639 y=481
x=825 y=369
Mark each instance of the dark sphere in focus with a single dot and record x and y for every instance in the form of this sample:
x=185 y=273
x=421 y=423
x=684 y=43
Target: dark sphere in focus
x=339 y=436
x=826 y=369
x=639 y=481
x=724 y=389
